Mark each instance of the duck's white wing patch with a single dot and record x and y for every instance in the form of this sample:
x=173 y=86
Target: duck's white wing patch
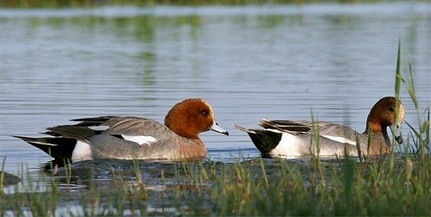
x=81 y=152
x=340 y=139
x=141 y=140
x=99 y=127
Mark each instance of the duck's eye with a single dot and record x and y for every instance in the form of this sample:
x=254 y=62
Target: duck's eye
x=204 y=113
x=391 y=108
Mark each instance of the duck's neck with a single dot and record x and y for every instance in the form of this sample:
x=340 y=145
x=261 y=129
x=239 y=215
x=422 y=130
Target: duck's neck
x=193 y=150
x=375 y=128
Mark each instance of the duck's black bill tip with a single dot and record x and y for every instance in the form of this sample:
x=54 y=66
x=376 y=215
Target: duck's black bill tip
x=399 y=139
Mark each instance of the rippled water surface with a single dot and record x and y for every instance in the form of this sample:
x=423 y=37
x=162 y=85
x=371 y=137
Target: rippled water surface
x=250 y=63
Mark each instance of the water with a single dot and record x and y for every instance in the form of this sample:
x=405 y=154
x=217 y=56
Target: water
x=280 y=62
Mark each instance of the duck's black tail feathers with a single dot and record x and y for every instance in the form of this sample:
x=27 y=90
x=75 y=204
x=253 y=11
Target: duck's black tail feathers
x=264 y=140
x=59 y=148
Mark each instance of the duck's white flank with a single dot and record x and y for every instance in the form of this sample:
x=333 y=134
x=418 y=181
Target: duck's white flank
x=81 y=152
x=287 y=146
x=141 y=140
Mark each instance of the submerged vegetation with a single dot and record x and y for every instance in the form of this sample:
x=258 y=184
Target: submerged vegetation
x=95 y=3
x=394 y=184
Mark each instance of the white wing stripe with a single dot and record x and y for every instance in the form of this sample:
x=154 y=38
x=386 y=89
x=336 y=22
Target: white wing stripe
x=340 y=139
x=140 y=139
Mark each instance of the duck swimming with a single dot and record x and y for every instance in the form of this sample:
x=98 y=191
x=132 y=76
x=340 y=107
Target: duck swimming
x=115 y=137
x=287 y=138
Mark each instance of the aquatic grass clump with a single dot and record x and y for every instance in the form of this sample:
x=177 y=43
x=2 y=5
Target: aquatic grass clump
x=252 y=187
x=353 y=189
x=421 y=138
x=243 y=191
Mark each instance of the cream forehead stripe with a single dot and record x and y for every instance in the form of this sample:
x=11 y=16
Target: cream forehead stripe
x=209 y=106
x=401 y=112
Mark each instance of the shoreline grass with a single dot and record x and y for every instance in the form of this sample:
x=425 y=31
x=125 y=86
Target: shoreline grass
x=240 y=189
x=397 y=184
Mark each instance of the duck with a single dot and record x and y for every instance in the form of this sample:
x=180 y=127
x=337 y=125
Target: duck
x=128 y=137
x=291 y=139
